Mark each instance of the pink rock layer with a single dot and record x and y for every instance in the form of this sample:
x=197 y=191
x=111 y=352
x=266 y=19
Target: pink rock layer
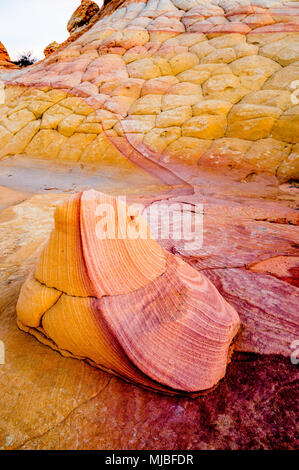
x=125 y=304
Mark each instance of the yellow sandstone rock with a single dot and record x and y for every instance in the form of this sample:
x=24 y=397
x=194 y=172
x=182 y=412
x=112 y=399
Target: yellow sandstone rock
x=205 y=126
x=289 y=168
x=47 y=143
x=158 y=139
x=117 y=302
x=174 y=117
x=148 y=77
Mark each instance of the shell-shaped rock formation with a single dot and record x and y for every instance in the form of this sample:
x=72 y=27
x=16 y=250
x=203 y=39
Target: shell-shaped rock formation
x=123 y=303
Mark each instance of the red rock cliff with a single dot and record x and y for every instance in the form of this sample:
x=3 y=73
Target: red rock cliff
x=5 y=61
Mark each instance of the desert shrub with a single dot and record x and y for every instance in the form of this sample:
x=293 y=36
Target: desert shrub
x=25 y=59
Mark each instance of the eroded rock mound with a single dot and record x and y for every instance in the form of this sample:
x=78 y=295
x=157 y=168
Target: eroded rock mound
x=52 y=47
x=82 y=16
x=5 y=61
x=124 y=304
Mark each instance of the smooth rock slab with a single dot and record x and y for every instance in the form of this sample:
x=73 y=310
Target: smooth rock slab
x=255 y=408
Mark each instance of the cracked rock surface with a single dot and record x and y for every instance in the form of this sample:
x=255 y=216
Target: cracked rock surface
x=169 y=84
x=184 y=102
x=52 y=402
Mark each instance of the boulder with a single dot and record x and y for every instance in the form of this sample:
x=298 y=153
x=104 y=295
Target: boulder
x=181 y=86
x=184 y=106
x=82 y=16
x=52 y=47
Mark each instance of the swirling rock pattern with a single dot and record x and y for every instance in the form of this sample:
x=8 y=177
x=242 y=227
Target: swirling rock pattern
x=170 y=85
x=250 y=249
x=75 y=406
x=126 y=305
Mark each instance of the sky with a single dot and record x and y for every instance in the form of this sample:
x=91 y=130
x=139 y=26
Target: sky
x=30 y=25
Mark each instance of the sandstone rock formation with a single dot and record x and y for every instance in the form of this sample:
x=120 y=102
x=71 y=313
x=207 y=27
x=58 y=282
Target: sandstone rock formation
x=169 y=84
x=52 y=47
x=5 y=61
x=76 y=406
x=83 y=16
x=202 y=96
x=86 y=290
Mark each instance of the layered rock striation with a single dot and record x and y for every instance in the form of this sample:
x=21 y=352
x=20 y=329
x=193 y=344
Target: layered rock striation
x=75 y=406
x=202 y=94
x=124 y=304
